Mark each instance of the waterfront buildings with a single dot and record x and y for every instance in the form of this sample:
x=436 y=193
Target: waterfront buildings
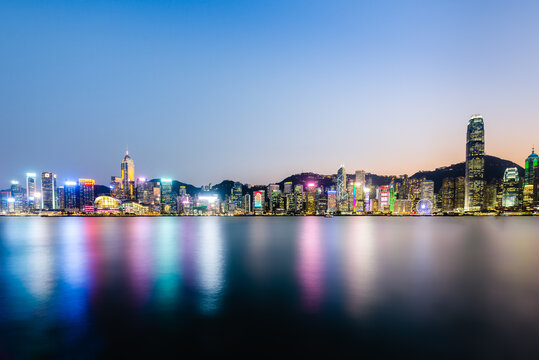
x=475 y=164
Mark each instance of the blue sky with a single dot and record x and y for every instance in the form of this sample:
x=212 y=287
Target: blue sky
x=202 y=91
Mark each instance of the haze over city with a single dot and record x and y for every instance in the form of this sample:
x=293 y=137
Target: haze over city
x=255 y=91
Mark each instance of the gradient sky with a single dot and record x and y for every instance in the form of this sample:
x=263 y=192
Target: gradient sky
x=253 y=91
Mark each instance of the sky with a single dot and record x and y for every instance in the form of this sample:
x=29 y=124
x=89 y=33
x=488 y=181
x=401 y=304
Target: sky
x=254 y=91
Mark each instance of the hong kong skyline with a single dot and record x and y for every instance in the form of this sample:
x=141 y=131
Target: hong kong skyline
x=258 y=91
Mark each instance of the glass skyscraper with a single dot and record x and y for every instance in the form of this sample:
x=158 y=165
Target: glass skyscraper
x=49 y=194
x=475 y=164
x=128 y=177
x=31 y=191
x=342 y=193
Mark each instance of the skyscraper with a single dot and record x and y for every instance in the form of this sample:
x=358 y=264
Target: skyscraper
x=511 y=188
x=49 y=196
x=168 y=198
x=531 y=175
x=17 y=195
x=30 y=191
x=359 y=187
x=475 y=164
x=427 y=191
x=86 y=194
x=342 y=193
x=71 y=199
x=311 y=199
x=128 y=177
x=448 y=194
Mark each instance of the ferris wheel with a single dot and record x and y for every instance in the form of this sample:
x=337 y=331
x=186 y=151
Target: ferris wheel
x=424 y=207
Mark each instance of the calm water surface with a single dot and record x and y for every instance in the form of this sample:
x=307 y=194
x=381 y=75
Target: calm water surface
x=340 y=287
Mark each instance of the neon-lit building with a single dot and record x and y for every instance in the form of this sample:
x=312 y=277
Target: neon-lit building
x=531 y=175
x=311 y=199
x=128 y=177
x=383 y=198
x=49 y=195
x=107 y=205
x=86 y=193
x=332 y=201
x=259 y=202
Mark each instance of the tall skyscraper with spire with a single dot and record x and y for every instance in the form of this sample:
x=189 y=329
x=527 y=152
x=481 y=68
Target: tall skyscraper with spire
x=475 y=164
x=128 y=177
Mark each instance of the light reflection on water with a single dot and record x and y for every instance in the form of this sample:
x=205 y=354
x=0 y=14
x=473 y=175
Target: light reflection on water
x=57 y=276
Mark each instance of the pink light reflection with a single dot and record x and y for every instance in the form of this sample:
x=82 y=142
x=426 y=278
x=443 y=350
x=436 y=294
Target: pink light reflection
x=311 y=265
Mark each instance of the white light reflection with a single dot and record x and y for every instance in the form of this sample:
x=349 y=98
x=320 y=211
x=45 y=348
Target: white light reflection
x=38 y=275
x=360 y=266
x=210 y=260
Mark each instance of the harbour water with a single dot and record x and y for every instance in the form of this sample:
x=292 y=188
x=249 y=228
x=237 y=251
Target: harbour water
x=443 y=287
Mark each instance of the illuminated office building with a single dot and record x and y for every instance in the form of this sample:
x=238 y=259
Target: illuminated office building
x=342 y=193
x=69 y=197
x=5 y=195
x=287 y=187
x=236 y=198
x=311 y=199
x=427 y=191
x=527 y=198
x=299 y=199
x=31 y=191
x=321 y=201
x=460 y=193
x=17 y=194
x=168 y=198
x=383 y=198
x=247 y=203
x=144 y=191
x=359 y=194
x=49 y=195
x=116 y=190
x=86 y=194
x=511 y=189
x=277 y=202
x=128 y=177
x=332 y=201
x=475 y=164
x=491 y=196
x=447 y=193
